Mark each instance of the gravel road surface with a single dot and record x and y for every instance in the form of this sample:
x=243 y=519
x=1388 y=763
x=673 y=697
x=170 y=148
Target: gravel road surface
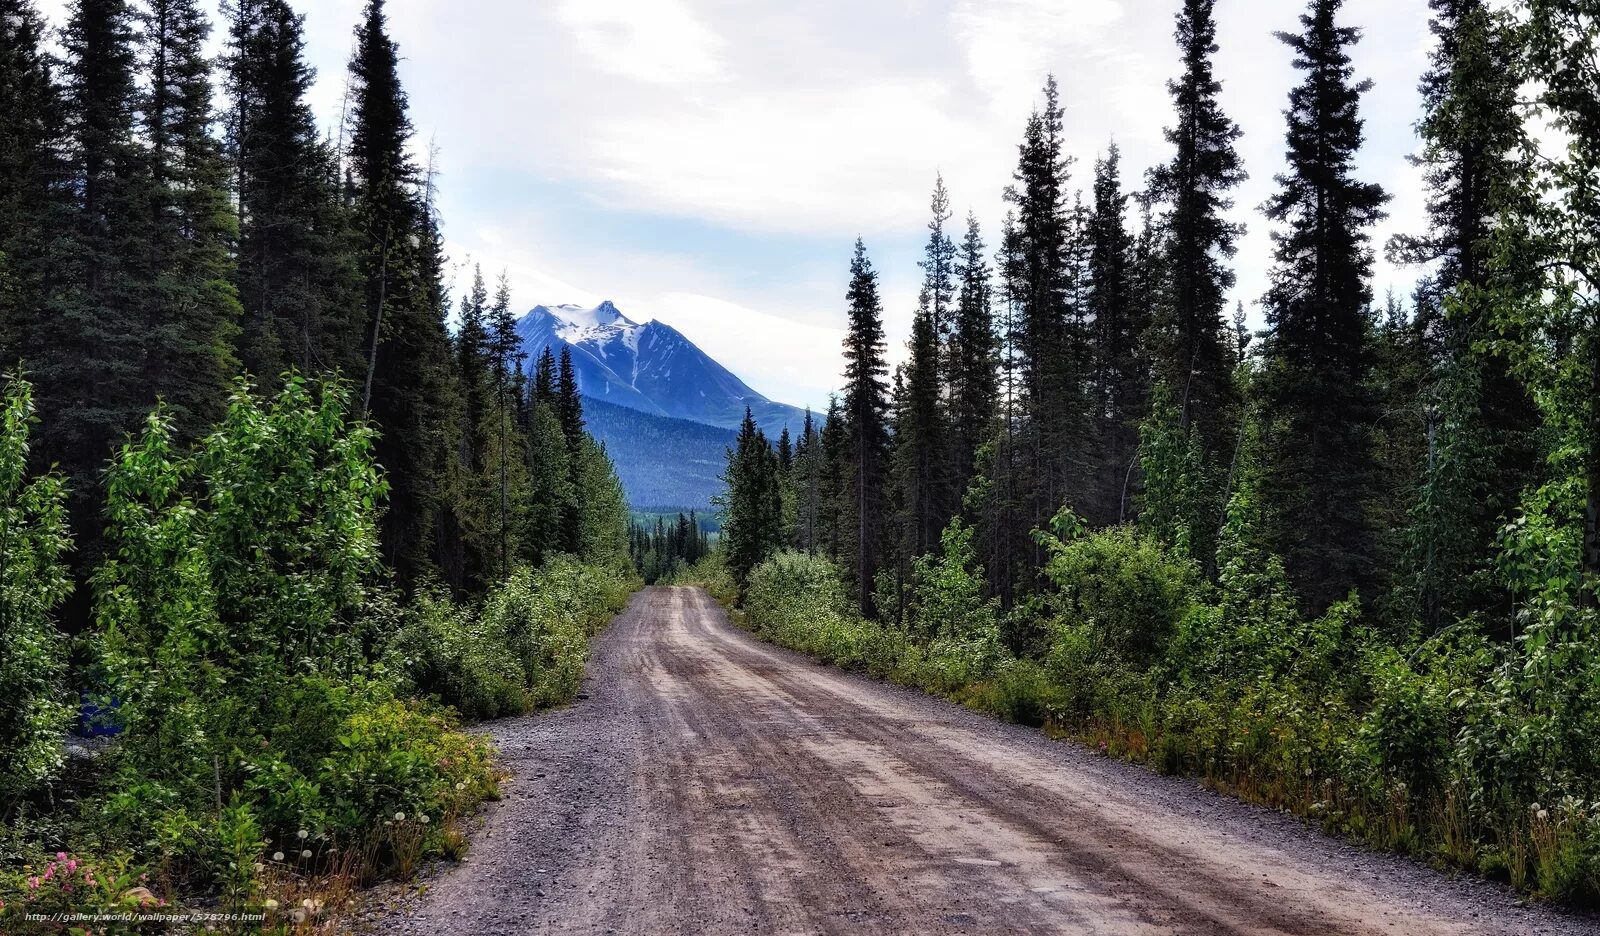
x=706 y=782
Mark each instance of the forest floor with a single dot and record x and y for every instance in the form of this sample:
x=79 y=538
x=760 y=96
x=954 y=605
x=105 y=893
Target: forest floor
x=706 y=782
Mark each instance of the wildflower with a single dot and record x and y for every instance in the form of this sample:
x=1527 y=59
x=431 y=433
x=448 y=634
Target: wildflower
x=61 y=856
x=33 y=882
x=259 y=867
x=72 y=866
x=306 y=853
x=399 y=817
x=302 y=834
x=270 y=904
x=462 y=785
x=1534 y=807
x=1543 y=814
x=423 y=818
x=277 y=856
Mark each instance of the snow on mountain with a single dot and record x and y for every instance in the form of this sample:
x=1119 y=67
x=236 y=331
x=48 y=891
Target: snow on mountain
x=650 y=367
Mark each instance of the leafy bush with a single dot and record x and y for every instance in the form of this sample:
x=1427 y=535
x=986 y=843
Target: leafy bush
x=33 y=579
x=1121 y=585
x=711 y=573
x=523 y=648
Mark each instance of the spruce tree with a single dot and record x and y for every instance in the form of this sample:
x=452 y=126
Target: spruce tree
x=864 y=414
x=193 y=317
x=1049 y=341
x=974 y=357
x=1194 y=187
x=1483 y=449
x=569 y=409
x=1318 y=404
x=299 y=284
x=35 y=203
x=405 y=390
x=86 y=350
x=1121 y=387
x=752 y=511
x=808 y=486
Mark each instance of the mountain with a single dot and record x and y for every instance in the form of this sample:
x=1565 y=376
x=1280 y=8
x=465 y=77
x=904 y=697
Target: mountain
x=664 y=463
x=649 y=367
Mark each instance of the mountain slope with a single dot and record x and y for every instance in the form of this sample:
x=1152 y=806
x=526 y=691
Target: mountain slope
x=650 y=367
x=664 y=463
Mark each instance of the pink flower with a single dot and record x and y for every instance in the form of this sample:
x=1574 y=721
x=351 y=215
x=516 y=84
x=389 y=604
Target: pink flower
x=33 y=882
x=50 y=871
x=61 y=856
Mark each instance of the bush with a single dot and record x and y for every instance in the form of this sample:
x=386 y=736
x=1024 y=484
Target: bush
x=1122 y=586
x=711 y=573
x=33 y=579
x=524 y=648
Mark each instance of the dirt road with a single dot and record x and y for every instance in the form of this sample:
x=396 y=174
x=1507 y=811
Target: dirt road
x=710 y=783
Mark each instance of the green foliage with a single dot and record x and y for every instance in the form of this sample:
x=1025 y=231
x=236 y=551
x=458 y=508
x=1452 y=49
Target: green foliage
x=1121 y=585
x=1175 y=504
x=523 y=647
x=33 y=579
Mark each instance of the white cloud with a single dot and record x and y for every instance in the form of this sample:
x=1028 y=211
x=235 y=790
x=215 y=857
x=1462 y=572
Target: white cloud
x=656 y=41
x=1009 y=44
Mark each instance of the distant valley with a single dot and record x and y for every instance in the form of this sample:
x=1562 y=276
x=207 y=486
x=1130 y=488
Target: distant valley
x=665 y=409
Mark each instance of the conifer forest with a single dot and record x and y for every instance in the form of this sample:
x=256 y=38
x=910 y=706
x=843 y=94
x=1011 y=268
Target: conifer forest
x=299 y=540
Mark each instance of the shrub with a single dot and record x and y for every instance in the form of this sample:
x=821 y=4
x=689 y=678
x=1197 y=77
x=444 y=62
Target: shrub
x=1122 y=585
x=33 y=579
x=523 y=648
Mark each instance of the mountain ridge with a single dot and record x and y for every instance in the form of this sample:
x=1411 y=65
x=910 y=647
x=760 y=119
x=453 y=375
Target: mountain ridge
x=649 y=366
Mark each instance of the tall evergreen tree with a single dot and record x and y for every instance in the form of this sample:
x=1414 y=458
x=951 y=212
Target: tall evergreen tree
x=752 y=509
x=973 y=357
x=87 y=348
x=35 y=201
x=1194 y=187
x=1483 y=449
x=1049 y=341
x=298 y=281
x=399 y=259
x=1121 y=386
x=864 y=415
x=569 y=409
x=808 y=485
x=193 y=317
x=1318 y=403
x=923 y=466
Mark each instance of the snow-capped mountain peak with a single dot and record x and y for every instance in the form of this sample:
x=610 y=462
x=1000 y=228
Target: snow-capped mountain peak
x=577 y=322
x=650 y=367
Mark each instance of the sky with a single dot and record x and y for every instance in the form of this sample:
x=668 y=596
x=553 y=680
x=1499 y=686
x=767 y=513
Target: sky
x=709 y=163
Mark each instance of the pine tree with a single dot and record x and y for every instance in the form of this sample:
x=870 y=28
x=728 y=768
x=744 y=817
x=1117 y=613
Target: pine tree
x=808 y=485
x=569 y=409
x=1483 y=451
x=864 y=415
x=35 y=201
x=974 y=358
x=86 y=350
x=406 y=365
x=1121 y=383
x=1318 y=405
x=192 y=320
x=1194 y=186
x=1050 y=343
x=298 y=281
x=752 y=520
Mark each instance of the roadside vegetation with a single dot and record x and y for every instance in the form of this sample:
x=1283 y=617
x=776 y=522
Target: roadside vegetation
x=264 y=719
x=1347 y=564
